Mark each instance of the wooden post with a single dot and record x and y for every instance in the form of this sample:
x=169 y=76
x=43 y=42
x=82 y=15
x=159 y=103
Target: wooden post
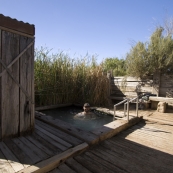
x=10 y=91
x=26 y=82
x=32 y=125
x=0 y=86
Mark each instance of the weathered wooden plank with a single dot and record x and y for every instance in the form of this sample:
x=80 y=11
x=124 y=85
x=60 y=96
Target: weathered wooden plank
x=165 y=134
x=90 y=165
x=154 y=159
x=19 y=153
x=64 y=168
x=164 y=118
x=131 y=88
x=159 y=120
x=120 y=160
x=0 y=85
x=138 y=149
x=151 y=144
x=141 y=158
x=12 y=160
x=68 y=128
x=56 y=170
x=166 y=84
x=118 y=92
x=39 y=145
x=160 y=84
x=161 y=99
x=126 y=78
x=118 y=98
x=53 y=162
x=66 y=137
x=32 y=90
x=131 y=83
x=59 y=146
x=40 y=153
x=10 y=91
x=5 y=167
x=56 y=138
x=115 y=127
x=162 y=138
x=25 y=81
x=35 y=158
x=96 y=157
x=76 y=166
x=46 y=143
x=166 y=92
x=155 y=144
x=52 y=106
x=164 y=126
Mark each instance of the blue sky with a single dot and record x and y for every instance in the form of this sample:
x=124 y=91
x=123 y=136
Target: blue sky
x=106 y=28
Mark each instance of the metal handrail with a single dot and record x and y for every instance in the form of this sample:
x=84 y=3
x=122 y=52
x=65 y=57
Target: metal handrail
x=126 y=102
x=137 y=102
x=118 y=105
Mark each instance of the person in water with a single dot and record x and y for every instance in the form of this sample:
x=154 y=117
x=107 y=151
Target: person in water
x=86 y=114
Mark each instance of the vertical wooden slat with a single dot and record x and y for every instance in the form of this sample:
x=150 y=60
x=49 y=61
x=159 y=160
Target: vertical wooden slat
x=0 y=86
x=10 y=91
x=25 y=81
x=32 y=90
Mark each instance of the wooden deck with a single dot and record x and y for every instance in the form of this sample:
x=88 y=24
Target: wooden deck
x=146 y=148
x=46 y=142
x=163 y=118
x=52 y=142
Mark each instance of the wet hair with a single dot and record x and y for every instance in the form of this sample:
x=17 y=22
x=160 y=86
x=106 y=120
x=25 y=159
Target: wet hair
x=86 y=105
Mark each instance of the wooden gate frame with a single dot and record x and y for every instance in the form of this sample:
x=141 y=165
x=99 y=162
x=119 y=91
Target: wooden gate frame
x=22 y=35
x=10 y=74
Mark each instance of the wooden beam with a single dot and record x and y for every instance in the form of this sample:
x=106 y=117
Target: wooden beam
x=52 y=106
x=15 y=25
x=161 y=99
x=53 y=162
x=0 y=86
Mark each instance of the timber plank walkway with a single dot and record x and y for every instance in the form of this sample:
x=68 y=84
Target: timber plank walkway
x=17 y=154
x=52 y=142
x=146 y=148
x=163 y=118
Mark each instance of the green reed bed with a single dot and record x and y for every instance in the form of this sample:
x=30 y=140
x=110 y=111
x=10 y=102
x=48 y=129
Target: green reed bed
x=60 y=79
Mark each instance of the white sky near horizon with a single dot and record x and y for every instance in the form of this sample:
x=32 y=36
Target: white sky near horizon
x=105 y=28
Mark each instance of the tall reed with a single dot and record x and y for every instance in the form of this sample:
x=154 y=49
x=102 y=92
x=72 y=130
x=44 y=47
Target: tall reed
x=60 y=79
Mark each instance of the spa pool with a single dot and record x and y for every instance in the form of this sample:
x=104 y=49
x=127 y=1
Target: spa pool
x=67 y=113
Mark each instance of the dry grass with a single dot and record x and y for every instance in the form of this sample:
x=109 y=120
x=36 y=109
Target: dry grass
x=60 y=79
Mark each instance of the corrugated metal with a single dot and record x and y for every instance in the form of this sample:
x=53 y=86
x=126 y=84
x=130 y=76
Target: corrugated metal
x=16 y=25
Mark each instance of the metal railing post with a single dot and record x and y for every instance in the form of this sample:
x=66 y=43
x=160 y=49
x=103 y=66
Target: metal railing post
x=128 y=110
x=114 y=112
x=137 y=105
x=124 y=109
x=115 y=107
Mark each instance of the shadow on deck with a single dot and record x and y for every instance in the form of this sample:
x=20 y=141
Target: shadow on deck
x=145 y=147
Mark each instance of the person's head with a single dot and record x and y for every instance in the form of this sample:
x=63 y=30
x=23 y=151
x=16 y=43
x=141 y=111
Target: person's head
x=86 y=107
